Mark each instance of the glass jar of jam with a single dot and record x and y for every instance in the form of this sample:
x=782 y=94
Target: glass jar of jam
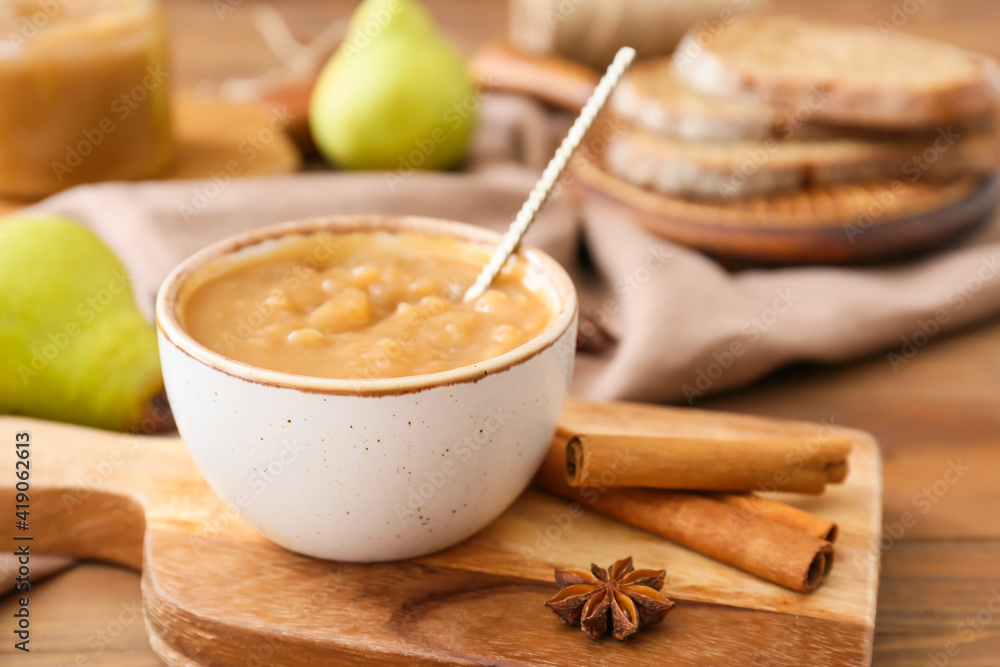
x=83 y=93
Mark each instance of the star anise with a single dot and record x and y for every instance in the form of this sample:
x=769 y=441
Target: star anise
x=621 y=597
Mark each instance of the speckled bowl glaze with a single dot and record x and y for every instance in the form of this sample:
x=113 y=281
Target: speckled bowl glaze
x=367 y=470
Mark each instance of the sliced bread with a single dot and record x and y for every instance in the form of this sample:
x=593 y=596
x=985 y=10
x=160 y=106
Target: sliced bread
x=865 y=78
x=737 y=169
x=653 y=98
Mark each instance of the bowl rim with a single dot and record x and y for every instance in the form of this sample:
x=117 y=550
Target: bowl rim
x=171 y=330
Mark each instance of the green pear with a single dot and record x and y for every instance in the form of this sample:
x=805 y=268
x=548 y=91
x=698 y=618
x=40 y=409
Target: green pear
x=395 y=96
x=73 y=346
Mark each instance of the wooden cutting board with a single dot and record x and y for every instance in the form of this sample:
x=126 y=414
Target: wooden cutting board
x=211 y=134
x=215 y=593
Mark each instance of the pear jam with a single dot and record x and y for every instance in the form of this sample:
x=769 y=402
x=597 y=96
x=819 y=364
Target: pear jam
x=363 y=305
x=83 y=93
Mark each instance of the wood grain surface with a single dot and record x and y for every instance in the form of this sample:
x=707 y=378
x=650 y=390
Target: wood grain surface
x=943 y=405
x=214 y=590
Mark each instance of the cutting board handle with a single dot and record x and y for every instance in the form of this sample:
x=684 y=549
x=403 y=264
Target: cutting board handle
x=87 y=489
x=500 y=66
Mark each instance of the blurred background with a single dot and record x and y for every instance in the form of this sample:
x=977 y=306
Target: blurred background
x=243 y=57
x=206 y=46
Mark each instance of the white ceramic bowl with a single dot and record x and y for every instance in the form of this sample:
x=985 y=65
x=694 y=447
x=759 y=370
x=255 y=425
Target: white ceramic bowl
x=367 y=470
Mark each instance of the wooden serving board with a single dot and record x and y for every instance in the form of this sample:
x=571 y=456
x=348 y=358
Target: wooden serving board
x=816 y=225
x=216 y=593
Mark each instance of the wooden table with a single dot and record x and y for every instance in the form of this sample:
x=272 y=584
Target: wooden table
x=939 y=601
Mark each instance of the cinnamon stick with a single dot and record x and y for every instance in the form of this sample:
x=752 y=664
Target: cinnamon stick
x=704 y=464
x=756 y=544
x=793 y=517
